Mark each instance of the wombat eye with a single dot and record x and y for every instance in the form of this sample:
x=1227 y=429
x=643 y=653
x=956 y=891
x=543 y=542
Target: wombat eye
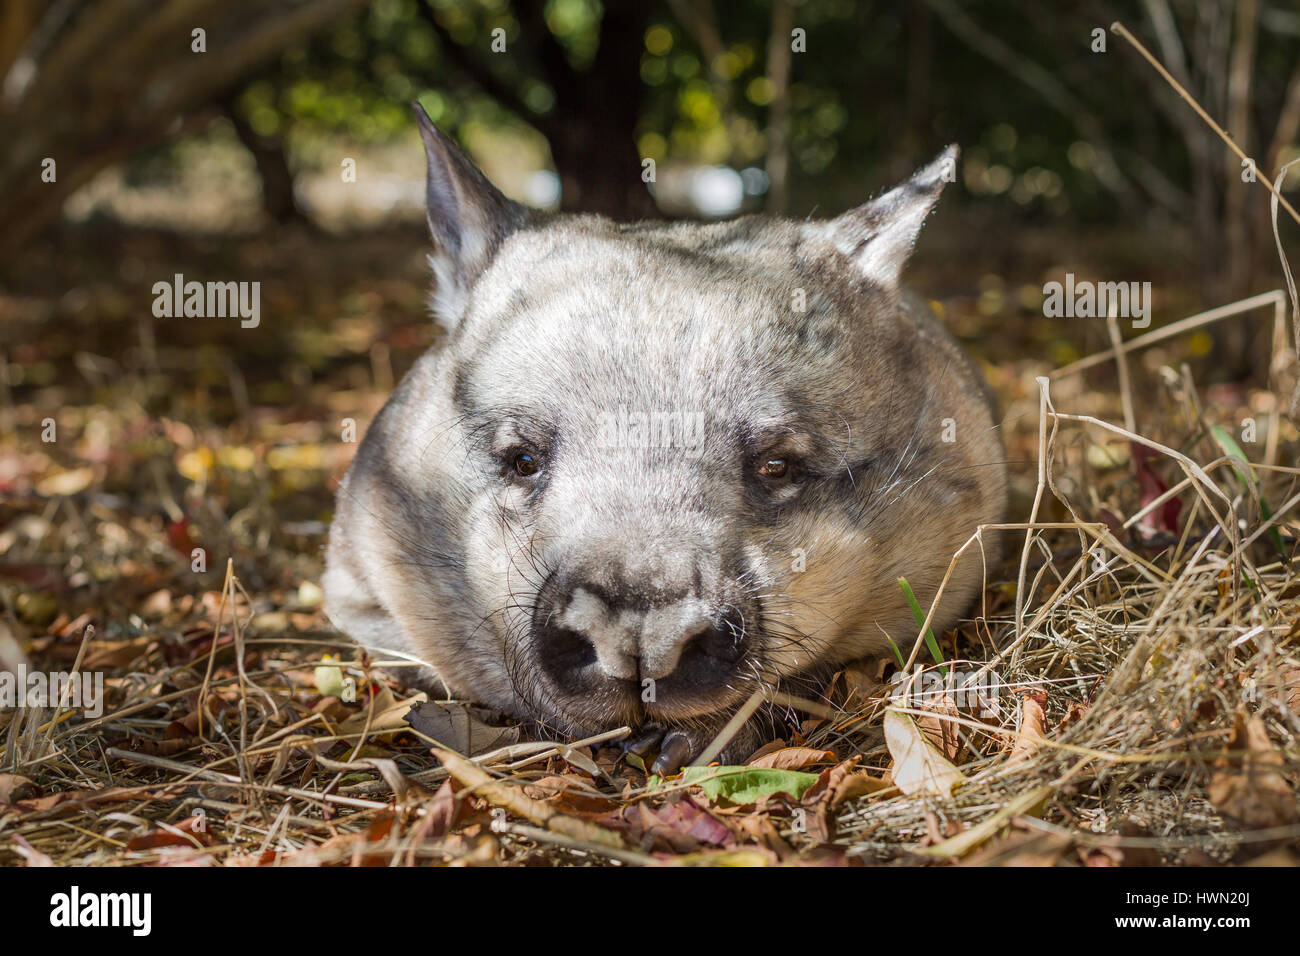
x=526 y=464
x=773 y=468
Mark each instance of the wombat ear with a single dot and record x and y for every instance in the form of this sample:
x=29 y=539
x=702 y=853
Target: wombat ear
x=878 y=236
x=468 y=219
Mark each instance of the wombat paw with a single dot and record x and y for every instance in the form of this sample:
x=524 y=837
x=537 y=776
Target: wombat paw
x=674 y=748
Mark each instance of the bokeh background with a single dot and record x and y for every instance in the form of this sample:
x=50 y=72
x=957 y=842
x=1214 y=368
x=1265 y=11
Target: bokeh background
x=227 y=165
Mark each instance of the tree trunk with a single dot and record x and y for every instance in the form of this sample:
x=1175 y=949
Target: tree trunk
x=272 y=168
x=595 y=150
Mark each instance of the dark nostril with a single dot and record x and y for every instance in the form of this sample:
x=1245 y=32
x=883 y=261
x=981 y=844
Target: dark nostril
x=567 y=650
x=721 y=641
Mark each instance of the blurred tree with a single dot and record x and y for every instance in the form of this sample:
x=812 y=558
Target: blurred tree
x=89 y=84
x=594 y=101
x=1052 y=130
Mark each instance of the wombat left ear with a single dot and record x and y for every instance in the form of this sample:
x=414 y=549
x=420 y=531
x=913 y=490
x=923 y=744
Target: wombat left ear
x=878 y=236
x=468 y=219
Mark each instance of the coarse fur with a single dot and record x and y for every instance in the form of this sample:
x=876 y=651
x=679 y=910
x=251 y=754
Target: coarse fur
x=651 y=567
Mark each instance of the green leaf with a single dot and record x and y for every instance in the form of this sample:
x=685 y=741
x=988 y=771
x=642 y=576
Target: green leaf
x=1246 y=475
x=917 y=613
x=743 y=785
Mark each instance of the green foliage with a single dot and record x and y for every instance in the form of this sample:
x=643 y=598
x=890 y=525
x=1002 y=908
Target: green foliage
x=881 y=88
x=742 y=785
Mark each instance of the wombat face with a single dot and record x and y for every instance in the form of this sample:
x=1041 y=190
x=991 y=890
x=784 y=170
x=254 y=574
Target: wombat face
x=655 y=468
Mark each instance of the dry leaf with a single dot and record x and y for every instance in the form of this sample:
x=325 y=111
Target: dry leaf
x=14 y=788
x=457 y=726
x=793 y=758
x=918 y=766
x=940 y=727
x=389 y=715
x=1030 y=732
x=834 y=786
x=1249 y=787
x=860 y=679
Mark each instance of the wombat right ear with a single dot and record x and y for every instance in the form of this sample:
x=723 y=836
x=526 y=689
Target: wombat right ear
x=468 y=219
x=878 y=236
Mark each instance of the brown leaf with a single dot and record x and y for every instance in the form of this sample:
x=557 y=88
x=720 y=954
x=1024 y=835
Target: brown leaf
x=115 y=655
x=382 y=715
x=1249 y=787
x=191 y=835
x=571 y=794
x=940 y=727
x=512 y=798
x=772 y=746
x=758 y=828
x=793 y=758
x=441 y=813
x=459 y=727
x=1031 y=729
x=55 y=803
x=14 y=788
x=1073 y=714
x=859 y=680
x=682 y=826
x=834 y=786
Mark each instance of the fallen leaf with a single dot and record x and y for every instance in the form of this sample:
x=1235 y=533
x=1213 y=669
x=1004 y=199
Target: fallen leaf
x=511 y=798
x=860 y=681
x=793 y=758
x=383 y=716
x=1030 y=731
x=14 y=788
x=1249 y=787
x=918 y=766
x=682 y=826
x=1152 y=486
x=571 y=794
x=457 y=726
x=939 y=725
x=56 y=803
x=834 y=786
x=187 y=833
x=744 y=785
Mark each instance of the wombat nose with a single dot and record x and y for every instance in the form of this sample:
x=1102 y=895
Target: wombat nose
x=682 y=642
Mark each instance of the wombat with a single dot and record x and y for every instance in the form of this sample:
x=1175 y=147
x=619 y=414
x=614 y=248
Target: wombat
x=651 y=469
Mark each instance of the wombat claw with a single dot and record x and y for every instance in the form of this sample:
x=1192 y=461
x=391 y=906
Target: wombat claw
x=675 y=751
x=672 y=749
x=644 y=741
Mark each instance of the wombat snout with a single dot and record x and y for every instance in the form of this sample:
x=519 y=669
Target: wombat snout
x=617 y=637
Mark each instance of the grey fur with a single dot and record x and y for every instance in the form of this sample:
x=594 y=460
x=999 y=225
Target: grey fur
x=558 y=326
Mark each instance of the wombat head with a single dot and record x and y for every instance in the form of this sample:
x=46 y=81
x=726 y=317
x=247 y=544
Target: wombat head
x=654 y=467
